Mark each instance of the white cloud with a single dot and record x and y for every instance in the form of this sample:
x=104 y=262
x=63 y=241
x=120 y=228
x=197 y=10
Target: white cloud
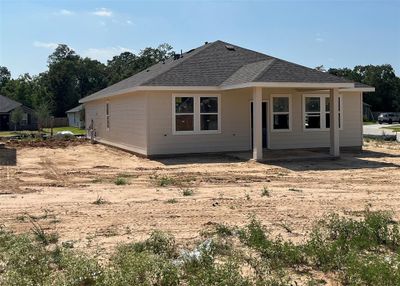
x=103 y=12
x=66 y=12
x=104 y=54
x=319 y=38
x=45 y=45
x=129 y=22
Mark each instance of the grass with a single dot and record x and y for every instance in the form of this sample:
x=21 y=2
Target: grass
x=265 y=192
x=16 y=133
x=171 y=201
x=362 y=251
x=74 y=130
x=395 y=128
x=187 y=192
x=100 y=201
x=119 y=181
x=369 y=122
x=165 y=181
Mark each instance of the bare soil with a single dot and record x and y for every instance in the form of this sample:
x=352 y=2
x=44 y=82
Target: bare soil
x=57 y=186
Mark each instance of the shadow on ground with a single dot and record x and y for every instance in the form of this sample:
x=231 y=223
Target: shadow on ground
x=8 y=157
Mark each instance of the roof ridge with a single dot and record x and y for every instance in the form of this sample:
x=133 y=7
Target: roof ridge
x=267 y=67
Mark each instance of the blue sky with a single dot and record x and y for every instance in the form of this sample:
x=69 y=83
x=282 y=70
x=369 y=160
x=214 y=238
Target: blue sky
x=332 y=33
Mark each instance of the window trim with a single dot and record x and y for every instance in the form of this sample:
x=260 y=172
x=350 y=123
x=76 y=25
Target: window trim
x=290 y=113
x=322 y=112
x=196 y=114
x=108 y=115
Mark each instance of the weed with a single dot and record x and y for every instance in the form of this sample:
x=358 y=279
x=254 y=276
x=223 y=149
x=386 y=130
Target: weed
x=187 y=192
x=97 y=180
x=295 y=190
x=119 y=181
x=265 y=192
x=171 y=201
x=224 y=230
x=100 y=201
x=41 y=235
x=165 y=181
x=247 y=196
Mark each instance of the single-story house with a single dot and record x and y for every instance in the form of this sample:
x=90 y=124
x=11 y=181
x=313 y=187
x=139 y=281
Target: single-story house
x=223 y=98
x=76 y=116
x=7 y=106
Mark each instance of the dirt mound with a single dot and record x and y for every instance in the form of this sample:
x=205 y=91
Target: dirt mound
x=46 y=143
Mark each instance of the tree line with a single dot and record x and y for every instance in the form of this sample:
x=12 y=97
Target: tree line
x=71 y=77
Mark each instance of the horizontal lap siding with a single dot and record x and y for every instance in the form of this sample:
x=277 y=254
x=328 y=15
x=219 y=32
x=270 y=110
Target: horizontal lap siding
x=127 y=120
x=298 y=138
x=234 y=134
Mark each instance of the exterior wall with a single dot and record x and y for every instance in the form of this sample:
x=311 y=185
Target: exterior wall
x=235 y=124
x=350 y=135
x=127 y=121
x=74 y=119
x=142 y=122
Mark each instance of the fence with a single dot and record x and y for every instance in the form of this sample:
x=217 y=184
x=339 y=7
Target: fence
x=57 y=122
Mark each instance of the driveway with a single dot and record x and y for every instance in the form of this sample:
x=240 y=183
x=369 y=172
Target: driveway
x=376 y=129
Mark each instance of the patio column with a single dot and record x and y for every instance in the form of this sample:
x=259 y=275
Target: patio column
x=257 y=123
x=334 y=122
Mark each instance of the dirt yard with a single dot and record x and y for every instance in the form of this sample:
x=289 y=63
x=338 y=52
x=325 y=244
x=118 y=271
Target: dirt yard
x=73 y=190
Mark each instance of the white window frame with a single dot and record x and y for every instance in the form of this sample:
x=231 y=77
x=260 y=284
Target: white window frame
x=272 y=113
x=196 y=114
x=322 y=111
x=108 y=116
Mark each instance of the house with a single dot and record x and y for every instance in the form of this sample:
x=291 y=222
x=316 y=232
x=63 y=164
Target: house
x=7 y=106
x=76 y=117
x=223 y=98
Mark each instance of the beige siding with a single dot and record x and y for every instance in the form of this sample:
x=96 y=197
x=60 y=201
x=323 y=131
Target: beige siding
x=128 y=124
x=142 y=122
x=350 y=135
x=235 y=126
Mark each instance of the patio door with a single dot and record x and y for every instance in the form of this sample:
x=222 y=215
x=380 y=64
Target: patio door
x=264 y=124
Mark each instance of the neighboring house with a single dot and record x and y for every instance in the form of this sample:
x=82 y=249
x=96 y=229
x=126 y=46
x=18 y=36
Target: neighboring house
x=223 y=98
x=7 y=106
x=367 y=112
x=76 y=116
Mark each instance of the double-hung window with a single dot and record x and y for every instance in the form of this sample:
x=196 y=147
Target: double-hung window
x=281 y=112
x=184 y=114
x=196 y=114
x=317 y=112
x=108 y=116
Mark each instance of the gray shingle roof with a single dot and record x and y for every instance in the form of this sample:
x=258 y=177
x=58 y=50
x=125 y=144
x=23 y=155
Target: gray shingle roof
x=75 y=109
x=7 y=104
x=219 y=64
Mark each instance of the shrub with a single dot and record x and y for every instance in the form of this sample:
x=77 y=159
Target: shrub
x=120 y=181
x=265 y=192
x=187 y=192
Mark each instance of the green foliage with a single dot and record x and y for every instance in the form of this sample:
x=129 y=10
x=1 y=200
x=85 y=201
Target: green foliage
x=171 y=201
x=120 y=181
x=187 y=192
x=16 y=116
x=265 y=192
x=387 y=85
x=165 y=181
x=100 y=201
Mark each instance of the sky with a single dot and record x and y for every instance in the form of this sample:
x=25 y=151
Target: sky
x=311 y=33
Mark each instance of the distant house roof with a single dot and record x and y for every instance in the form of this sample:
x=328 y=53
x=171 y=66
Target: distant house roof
x=7 y=104
x=220 y=65
x=75 y=109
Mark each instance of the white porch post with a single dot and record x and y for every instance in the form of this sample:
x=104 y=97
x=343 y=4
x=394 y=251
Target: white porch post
x=257 y=123
x=334 y=122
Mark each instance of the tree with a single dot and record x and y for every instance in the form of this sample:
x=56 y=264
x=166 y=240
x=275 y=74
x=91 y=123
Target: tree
x=387 y=85
x=43 y=113
x=5 y=76
x=16 y=117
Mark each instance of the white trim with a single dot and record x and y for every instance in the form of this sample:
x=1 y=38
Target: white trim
x=272 y=112
x=196 y=114
x=360 y=89
x=266 y=118
x=346 y=86
x=321 y=111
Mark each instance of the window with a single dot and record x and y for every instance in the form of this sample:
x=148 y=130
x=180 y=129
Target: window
x=196 y=114
x=317 y=112
x=24 y=120
x=108 y=116
x=209 y=113
x=280 y=112
x=184 y=113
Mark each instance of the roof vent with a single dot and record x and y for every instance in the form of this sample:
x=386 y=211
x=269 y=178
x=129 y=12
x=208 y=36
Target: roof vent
x=205 y=43
x=230 y=48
